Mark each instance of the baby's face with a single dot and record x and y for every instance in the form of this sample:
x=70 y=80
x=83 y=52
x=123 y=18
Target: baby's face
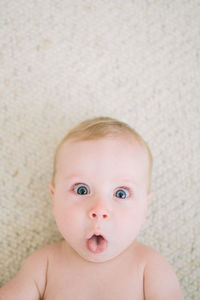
x=100 y=190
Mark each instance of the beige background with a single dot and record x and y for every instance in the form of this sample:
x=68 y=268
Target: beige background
x=64 y=61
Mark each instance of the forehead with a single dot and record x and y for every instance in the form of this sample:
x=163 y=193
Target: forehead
x=103 y=157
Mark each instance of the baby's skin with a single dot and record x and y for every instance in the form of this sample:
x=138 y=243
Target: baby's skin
x=99 y=202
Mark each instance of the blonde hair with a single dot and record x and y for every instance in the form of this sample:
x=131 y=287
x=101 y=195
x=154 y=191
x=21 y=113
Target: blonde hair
x=100 y=127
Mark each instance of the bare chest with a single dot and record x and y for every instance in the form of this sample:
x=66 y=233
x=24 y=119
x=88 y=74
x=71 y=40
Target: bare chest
x=111 y=284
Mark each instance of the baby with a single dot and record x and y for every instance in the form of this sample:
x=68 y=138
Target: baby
x=100 y=192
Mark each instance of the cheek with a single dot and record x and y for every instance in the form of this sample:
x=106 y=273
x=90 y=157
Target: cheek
x=130 y=217
x=123 y=219
x=67 y=217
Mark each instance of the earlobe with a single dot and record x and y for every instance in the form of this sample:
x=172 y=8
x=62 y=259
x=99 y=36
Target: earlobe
x=52 y=191
x=149 y=196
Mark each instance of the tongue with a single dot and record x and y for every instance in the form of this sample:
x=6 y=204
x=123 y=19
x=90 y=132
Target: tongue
x=97 y=244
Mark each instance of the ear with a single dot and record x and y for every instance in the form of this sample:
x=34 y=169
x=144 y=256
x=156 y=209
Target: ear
x=149 y=196
x=52 y=190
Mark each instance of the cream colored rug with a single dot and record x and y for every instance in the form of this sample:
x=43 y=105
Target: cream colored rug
x=62 y=61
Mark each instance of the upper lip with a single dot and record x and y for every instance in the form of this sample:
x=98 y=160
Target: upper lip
x=97 y=233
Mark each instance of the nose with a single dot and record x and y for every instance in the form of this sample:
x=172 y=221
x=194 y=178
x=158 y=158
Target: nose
x=98 y=213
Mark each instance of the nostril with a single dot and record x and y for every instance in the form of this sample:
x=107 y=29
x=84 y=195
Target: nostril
x=94 y=215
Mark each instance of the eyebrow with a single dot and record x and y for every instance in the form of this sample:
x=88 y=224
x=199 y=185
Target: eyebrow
x=128 y=181
x=74 y=177
x=83 y=178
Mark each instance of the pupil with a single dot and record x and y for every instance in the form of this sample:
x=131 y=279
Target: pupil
x=121 y=194
x=82 y=190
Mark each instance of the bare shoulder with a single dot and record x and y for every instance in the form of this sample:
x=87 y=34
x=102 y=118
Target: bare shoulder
x=160 y=280
x=37 y=263
x=30 y=281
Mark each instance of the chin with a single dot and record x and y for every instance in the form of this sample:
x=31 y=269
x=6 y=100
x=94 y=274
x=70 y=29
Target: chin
x=99 y=257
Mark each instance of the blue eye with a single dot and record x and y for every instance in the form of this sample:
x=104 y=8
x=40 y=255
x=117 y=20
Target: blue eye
x=81 y=190
x=122 y=194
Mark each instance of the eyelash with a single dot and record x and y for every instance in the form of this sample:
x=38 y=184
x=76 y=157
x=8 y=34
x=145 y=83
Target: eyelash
x=128 y=190
x=125 y=189
x=76 y=186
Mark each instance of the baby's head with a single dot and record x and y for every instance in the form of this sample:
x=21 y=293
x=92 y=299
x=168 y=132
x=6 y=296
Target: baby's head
x=100 y=187
x=103 y=127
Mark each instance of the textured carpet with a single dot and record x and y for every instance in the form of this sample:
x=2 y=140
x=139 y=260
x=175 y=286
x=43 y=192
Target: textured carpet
x=64 y=61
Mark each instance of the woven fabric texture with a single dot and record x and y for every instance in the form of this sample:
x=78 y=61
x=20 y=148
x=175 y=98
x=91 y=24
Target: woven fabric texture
x=64 y=61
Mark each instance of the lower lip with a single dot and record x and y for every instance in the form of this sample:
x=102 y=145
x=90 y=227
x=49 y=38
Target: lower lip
x=99 y=248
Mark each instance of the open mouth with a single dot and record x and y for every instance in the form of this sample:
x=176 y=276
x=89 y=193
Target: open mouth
x=97 y=243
